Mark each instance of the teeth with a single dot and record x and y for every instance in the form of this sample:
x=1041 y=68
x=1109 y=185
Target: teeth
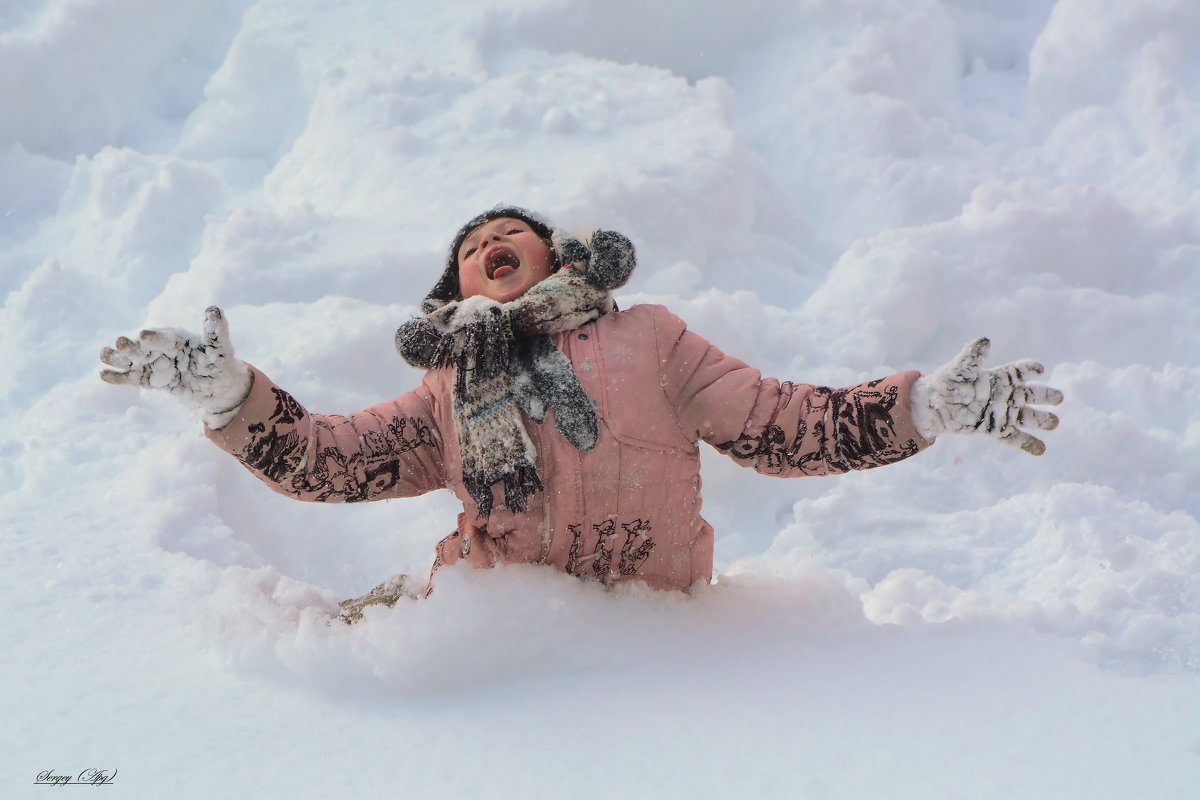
x=501 y=258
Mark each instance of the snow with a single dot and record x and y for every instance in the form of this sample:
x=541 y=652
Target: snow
x=831 y=191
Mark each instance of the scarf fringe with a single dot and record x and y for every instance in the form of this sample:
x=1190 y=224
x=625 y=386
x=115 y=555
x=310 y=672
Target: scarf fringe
x=519 y=485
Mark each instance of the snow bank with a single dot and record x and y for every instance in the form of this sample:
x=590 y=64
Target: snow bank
x=265 y=621
x=830 y=191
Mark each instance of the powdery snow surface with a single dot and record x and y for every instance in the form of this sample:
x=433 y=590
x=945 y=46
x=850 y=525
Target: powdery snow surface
x=830 y=190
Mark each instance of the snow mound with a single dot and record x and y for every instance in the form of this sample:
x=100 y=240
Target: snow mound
x=830 y=191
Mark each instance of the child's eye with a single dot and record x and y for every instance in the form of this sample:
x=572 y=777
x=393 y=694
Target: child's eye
x=467 y=253
x=515 y=230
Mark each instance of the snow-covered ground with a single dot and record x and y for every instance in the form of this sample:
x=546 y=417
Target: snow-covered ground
x=830 y=190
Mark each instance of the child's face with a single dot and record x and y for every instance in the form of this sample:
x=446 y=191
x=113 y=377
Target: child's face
x=502 y=259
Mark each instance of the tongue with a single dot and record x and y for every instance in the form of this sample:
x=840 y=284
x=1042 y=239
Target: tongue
x=502 y=270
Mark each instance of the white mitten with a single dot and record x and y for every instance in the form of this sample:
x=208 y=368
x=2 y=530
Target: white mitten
x=200 y=370
x=963 y=397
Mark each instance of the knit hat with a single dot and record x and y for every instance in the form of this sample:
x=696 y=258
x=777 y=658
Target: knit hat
x=608 y=257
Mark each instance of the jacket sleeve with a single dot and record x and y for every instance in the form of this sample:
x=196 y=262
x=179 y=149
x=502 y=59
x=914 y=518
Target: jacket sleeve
x=392 y=449
x=783 y=429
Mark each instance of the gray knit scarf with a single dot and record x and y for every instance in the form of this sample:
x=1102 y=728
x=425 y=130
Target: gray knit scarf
x=505 y=362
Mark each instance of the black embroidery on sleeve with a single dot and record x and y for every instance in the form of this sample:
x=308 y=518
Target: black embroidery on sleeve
x=333 y=475
x=287 y=410
x=271 y=453
x=382 y=477
x=863 y=435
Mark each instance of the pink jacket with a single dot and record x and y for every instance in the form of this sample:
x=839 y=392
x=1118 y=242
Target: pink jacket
x=630 y=508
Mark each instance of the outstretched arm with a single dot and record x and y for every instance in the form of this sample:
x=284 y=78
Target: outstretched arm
x=783 y=429
x=392 y=449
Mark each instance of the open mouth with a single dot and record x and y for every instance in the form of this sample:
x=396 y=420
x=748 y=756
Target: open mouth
x=501 y=262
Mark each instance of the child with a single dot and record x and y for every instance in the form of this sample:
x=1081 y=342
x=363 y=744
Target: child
x=521 y=329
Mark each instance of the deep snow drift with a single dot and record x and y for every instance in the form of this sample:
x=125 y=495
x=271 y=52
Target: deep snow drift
x=831 y=191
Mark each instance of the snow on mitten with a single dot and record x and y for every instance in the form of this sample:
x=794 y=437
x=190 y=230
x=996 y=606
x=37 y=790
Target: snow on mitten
x=200 y=370
x=608 y=258
x=964 y=397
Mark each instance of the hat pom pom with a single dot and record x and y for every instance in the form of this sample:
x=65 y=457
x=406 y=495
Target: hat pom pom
x=607 y=259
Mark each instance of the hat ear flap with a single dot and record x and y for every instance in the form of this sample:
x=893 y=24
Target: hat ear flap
x=446 y=290
x=569 y=250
